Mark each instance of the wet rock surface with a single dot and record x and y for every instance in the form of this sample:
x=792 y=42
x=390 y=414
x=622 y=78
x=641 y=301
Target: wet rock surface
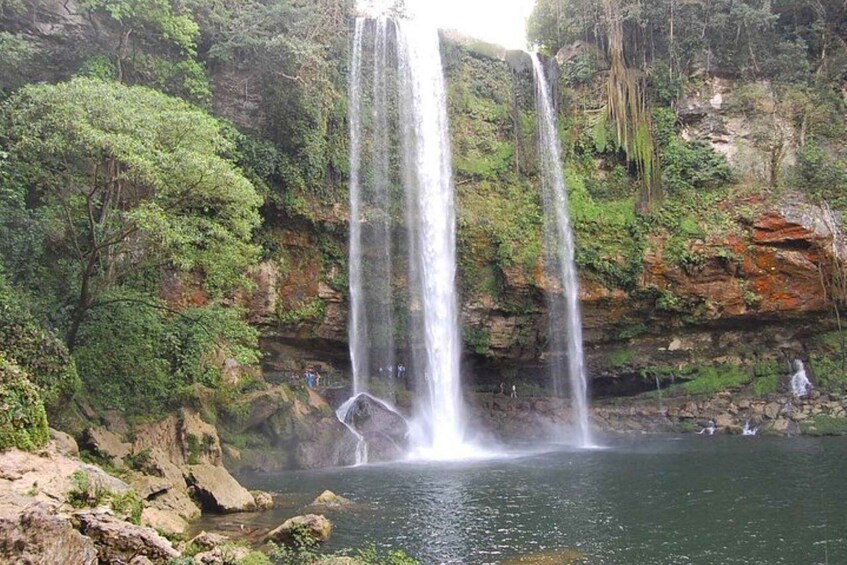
x=318 y=527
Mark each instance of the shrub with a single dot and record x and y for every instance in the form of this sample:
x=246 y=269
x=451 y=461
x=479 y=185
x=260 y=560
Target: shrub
x=23 y=420
x=822 y=425
x=37 y=351
x=709 y=380
x=136 y=355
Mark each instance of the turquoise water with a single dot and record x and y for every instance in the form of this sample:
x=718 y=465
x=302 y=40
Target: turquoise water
x=656 y=501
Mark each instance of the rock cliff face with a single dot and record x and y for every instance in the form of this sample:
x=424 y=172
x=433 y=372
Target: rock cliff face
x=761 y=270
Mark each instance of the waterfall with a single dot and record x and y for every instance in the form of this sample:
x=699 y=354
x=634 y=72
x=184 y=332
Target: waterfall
x=426 y=143
x=565 y=321
x=429 y=184
x=361 y=444
x=371 y=324
x=357 y=329
x=419 y=116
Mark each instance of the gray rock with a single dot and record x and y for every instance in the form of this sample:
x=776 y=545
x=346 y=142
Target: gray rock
x=65 y=444
x=318 y=527
x=39 y=536
x=329 y=498
x=217 y=490
x=107 y=444
x=119 y=542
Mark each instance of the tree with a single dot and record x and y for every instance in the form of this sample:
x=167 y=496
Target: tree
x=123 y=180
x=154 y=42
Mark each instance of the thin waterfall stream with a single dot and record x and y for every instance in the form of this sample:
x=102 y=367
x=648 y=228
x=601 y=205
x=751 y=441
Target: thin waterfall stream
x=565 y=320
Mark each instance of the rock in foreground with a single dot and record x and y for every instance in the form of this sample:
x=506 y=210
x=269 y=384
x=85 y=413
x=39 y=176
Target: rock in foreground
x=218 y=491
x=120 y=542
x=313 y=526
x=329 y=498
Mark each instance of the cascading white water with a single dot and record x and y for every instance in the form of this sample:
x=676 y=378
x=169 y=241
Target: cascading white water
x=357 y=329
x=371 y=325
x=426 y=176
x=361 y=445
x=565 y=324
x=429 y=182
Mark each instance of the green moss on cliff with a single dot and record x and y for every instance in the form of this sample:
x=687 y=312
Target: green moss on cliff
x=23 y=420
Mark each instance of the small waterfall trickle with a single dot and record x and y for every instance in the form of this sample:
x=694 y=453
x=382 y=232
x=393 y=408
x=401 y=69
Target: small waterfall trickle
x=361 y=445
x=565 y=321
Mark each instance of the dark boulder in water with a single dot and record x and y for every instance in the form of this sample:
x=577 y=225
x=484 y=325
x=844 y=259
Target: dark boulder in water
x=385 y=430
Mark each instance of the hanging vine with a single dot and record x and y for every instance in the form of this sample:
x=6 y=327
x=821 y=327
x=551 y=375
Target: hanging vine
x=629 y=110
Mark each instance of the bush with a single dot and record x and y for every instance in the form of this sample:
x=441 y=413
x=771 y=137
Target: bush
x=23 y=420
x=138 y=356
x=709 y=380
x=822 y=425
x=37 y=351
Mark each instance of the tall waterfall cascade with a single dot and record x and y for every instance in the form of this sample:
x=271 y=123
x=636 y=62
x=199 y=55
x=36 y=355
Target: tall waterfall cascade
x=398 y=114
x=565 y=321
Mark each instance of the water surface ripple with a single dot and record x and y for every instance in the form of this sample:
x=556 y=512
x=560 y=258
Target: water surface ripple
x=656 y=501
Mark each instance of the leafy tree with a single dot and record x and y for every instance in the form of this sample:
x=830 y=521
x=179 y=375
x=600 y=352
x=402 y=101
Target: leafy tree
x=156 y=44
x=121 y=180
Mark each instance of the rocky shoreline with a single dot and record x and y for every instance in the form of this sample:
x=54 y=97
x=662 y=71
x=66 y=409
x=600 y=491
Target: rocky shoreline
x=778 y=414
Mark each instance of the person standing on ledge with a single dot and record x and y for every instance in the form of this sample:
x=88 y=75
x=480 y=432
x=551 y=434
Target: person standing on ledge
x=514 y=392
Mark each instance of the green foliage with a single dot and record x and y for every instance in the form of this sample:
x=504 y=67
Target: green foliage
x=823 y=425
x=610 y=237
x=256 y=558
x=621 y=357
x=121 y=179
x=23 y=421
x=828 y=360
x=17 y=52
x=374 y=556
x=767 y=375
x=710 y=380
x=688 y=165
x=128 y=505
x=477 y=338
x=303 y=550
x=155 y=44
x=138 y=356
x=36 y=350
x=88 y=491
x=312 y=310
x=821 y=174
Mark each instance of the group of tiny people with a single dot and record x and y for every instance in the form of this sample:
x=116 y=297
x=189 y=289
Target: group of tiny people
x=391 y=371
x=313 y=378
x=513 y=394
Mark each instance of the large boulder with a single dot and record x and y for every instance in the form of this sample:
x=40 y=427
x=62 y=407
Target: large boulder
x=169 y=523
x=64 y=443
x=107 y=445
x=323 y=442
x=384 y=429
x=121 y=542
x=314 y=526
x=217 y=490
x=37 y=535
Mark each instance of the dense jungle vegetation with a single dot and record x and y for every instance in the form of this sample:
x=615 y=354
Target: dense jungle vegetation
x=149 y=149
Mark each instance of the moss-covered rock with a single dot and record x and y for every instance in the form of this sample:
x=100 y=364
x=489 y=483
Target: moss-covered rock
x=23 y=420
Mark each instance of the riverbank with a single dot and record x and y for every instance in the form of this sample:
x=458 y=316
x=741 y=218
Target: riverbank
x=780 y=414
